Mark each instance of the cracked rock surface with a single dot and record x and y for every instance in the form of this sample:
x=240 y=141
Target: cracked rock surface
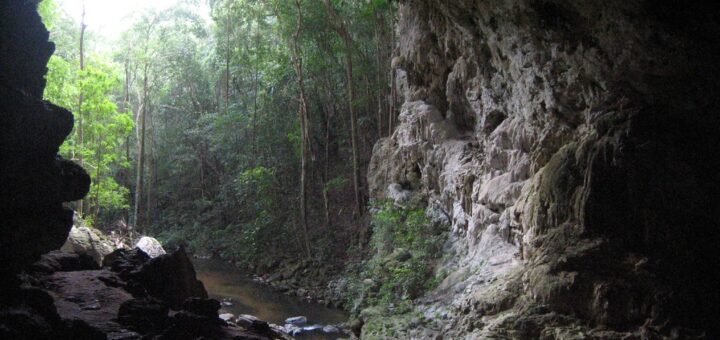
x=572 y=147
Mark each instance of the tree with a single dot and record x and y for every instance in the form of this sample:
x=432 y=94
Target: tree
x=80 y=130
x=88 y=84
x=341 y=28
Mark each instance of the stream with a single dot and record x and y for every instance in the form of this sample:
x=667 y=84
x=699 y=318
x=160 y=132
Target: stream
x=226 y=283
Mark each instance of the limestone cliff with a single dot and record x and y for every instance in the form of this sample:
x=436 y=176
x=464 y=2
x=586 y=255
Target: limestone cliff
x=572 y=146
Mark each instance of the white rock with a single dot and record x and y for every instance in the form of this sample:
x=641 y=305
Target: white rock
x=296 y=320
x=150 y=246
x=331 y=329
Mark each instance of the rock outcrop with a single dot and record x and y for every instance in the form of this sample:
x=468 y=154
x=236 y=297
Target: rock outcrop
x=572 y=146
x=67 y=296
x=88 y=241
x=34 y=180
x=169 y=277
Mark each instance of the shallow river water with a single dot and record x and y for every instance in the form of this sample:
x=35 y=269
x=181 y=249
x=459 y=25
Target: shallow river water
x=223 y=281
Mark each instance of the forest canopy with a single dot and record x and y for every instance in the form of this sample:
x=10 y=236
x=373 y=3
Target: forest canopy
x=240 y=128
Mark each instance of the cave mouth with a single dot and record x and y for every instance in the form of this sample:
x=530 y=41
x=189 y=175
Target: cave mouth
x=238 y=131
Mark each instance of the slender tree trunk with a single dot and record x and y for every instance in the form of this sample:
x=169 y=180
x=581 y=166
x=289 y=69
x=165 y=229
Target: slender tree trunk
x=227 y=61
x=141 y=151
x=326 y=175
x=150 y=177
x=353 y=129
x=304 y=127
x=255 y=108
x=98 y=160
x=81 y=131
x=126 y=106
x=393 y=89
x=380 y=69
x=342 y=30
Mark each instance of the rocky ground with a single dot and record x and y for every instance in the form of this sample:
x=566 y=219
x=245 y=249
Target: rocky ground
x=311 y=281
x=132 y=296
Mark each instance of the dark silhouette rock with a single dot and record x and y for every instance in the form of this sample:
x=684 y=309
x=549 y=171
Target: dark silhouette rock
x=203 y=307
x=34 y=180
x=144 y=315
x=60 y=261
x=171 y=278
x=124 y=261
x=67 y=297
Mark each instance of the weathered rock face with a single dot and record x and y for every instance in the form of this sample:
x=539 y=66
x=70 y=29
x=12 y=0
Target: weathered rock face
x=34 y=180
x=89 y=241
x=572 y=146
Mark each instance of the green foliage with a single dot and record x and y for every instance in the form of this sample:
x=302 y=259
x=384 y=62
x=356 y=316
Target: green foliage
x=405 y=246
x=336 y=183
x=104 y=128
x=222 y=151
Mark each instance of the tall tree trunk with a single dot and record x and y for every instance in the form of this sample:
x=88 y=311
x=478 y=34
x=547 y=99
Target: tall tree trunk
x=126 y=106
x=141 y=151
x=304 y=127
x=380 y=87
x=353 y=129
x=342 y=30
x=393 y=89
x=150 y=177
x=255 y=105
x=81 y=131
x=326 y=176
x=98 y=160
x=227 y=60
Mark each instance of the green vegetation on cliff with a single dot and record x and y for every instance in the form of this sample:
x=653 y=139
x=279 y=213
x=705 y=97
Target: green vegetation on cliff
x=404 y=248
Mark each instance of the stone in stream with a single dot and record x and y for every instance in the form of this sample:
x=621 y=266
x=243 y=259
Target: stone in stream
x=308 y=330
x=330 y=329
x=252 y=323
x=296 y=320
x=226 y=316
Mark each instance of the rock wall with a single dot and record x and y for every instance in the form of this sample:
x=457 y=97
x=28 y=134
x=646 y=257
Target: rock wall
x=34 y=180
x=573 y=148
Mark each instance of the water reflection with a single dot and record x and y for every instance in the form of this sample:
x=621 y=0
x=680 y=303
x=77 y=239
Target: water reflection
x=224 y=281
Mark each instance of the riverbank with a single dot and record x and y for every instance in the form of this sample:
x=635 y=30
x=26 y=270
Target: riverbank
x=243 y=295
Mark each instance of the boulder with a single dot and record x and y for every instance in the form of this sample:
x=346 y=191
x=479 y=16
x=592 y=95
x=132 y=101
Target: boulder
x=169 y=277
x=125 y=261
x=55 y=261
x=227 y=317
x=150 y=246
x=90 y=241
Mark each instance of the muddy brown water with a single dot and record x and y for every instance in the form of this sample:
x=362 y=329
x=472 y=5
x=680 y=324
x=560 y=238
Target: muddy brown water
x=224 y=281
